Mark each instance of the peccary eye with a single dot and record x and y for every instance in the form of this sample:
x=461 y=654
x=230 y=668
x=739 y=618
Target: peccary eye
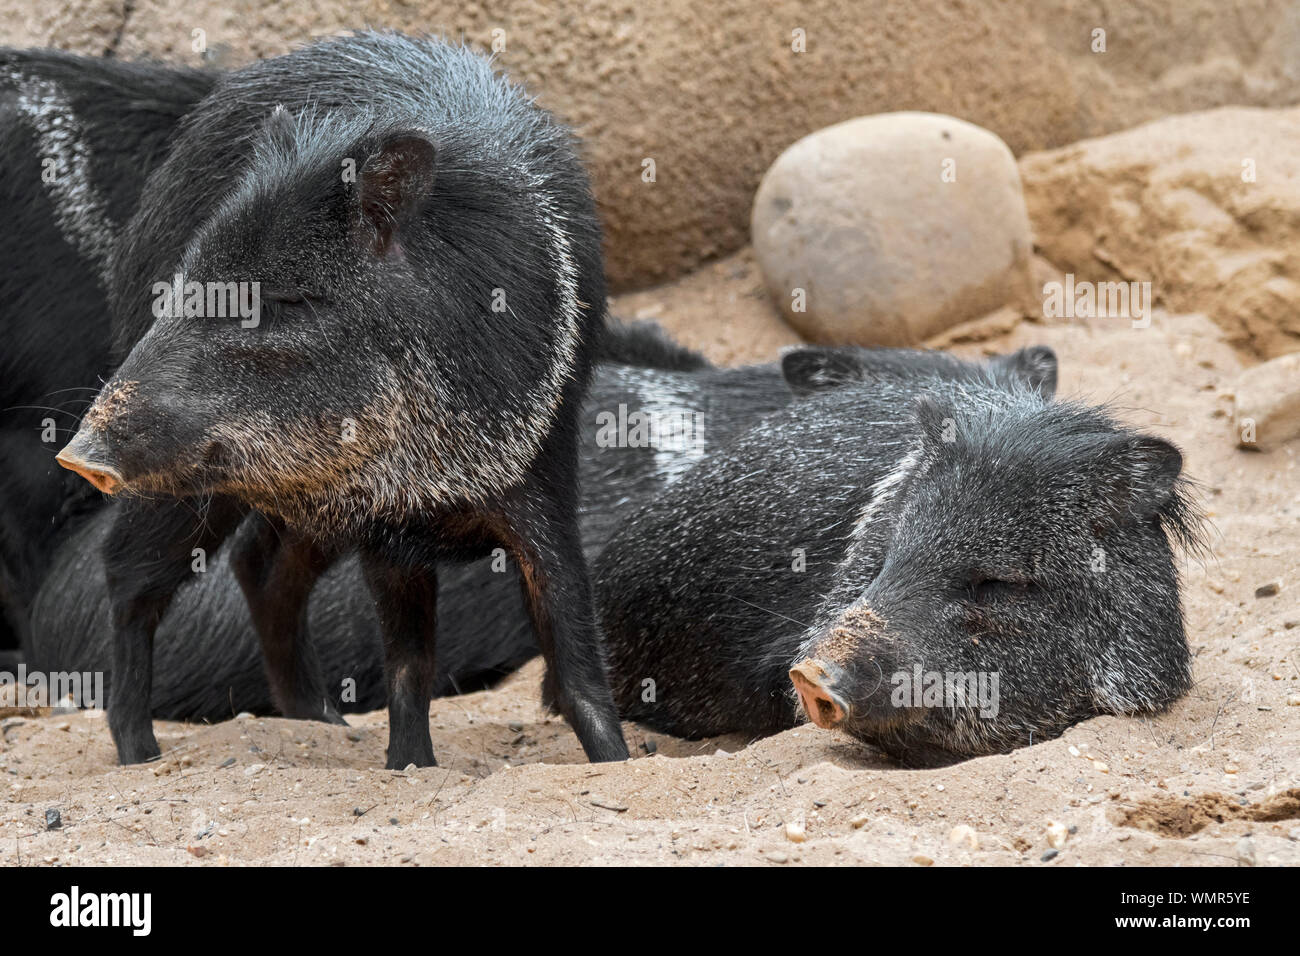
x=278 y=305
x=988 y=588
x=289 y=298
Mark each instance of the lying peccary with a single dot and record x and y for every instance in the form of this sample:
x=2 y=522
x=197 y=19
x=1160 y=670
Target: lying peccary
x=941 y=568
x=207 y=663
x=371 y=280
x=78 y=136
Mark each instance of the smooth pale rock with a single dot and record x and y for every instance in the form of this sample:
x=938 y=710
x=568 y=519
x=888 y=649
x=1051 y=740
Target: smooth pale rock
x=895 y=227
x=1203 y=206
x=1266 y=401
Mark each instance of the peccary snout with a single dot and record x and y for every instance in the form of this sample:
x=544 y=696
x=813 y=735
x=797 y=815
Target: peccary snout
x=816 y=682
x=842 y=679
x=133 y=439
x=89 y=456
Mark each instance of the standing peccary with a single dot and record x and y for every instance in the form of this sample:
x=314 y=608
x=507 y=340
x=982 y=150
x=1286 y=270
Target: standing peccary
x=941 y=568
x=78 y=136
x=362 y=295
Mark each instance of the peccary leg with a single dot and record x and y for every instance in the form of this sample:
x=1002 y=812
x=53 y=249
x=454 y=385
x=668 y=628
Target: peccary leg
x=406 y=602
x=557 y=592
x=277 y=569
x=148 y=555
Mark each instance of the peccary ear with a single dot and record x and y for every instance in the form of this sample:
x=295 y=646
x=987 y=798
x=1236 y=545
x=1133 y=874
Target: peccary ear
x=1143 y=474
x=808 y=370
x=938 y=423
x=395 y=180
x=1035 y=366
x=280 y=127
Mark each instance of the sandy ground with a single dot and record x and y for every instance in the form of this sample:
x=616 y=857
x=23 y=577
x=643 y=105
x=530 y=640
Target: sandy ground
x=1216 y=781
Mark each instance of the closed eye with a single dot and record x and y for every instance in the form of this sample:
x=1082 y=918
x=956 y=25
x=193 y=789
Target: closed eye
x=277 y=305
x=281 y=297
x=986 y=588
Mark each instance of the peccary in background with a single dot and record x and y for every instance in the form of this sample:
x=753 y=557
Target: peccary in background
x=78 y=136
x=420 y=251
x=941 y=568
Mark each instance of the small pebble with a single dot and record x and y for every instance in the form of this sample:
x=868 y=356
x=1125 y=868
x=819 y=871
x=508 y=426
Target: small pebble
x=1246 y=851
x=964 y=835
x=1057 y=834
x=1049 y=855
x=53 y=819
x=922 y=860
x=795 y=832
x=1268 y=590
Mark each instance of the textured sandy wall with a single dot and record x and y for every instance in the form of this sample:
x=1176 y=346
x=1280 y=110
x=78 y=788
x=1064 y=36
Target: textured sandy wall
x=713 y=92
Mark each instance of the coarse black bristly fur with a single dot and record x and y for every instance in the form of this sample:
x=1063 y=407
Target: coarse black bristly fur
x=428 y=258
x=78 y=137
x=972 y=529
x=206 y=662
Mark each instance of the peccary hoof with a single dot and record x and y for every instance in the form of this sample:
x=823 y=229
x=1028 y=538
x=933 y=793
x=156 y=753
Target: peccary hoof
x=400 y=762
x=321 y=709
x=138 y=750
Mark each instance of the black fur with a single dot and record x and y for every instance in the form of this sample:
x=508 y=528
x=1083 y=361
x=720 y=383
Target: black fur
x=380 y=402
x=958 y=525
x=98 y=127
x=207 y=659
